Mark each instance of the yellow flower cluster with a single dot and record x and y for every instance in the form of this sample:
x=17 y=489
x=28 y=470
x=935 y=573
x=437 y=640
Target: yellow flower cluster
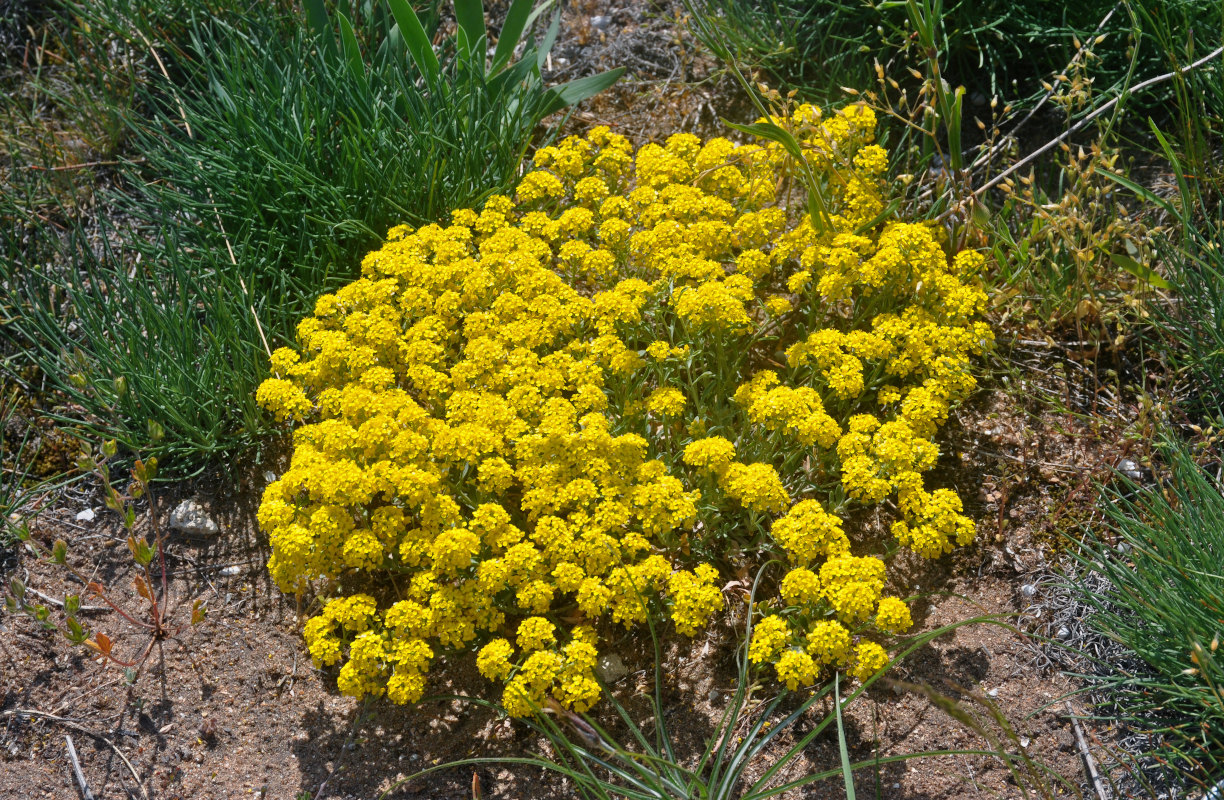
x=555 y=408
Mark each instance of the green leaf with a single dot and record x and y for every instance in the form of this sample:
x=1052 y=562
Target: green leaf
x=419 y=46
x=567 y=94
x=511 y=31
x=352 y=51
x=1145 y=274
x=72 y=604
x=76 y=632
x=59 y=551
x=141 y=552
x=17 y=587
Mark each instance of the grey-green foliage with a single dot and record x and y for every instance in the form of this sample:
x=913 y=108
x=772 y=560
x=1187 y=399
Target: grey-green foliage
x=265 y=161
x=1162 y=553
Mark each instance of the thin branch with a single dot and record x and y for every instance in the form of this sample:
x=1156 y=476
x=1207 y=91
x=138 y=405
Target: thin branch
x=995 y=150
x=48 y=599
x=1089 y=763
x=1050 y=145
x=85 y=165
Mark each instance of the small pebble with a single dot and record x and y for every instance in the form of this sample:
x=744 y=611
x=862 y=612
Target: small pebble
x=993 y=693
x=1130 y=469
x=1063 y=633
x=229 y=572
x=1028 y=590
x=1024 y=741
x=601 y=22
x=269 y=476
x=191 y=518
x=85 y=516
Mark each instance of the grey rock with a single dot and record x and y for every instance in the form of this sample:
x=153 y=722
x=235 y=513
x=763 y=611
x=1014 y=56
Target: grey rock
x=611 y=668
x=601 y=22
x=191 y=518
x=1029 y=591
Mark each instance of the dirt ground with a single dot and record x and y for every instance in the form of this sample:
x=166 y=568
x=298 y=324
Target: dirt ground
x=252 y=718
x=238 y=711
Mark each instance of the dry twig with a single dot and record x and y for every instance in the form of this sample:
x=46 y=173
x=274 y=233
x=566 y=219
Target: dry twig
x=1090 y=766
x=76 y=769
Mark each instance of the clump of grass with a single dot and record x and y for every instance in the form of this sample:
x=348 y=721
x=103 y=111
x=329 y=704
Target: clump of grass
x=1190 y=324
x=262 y=162
x=1160 y=554
x=14 y=472
x=992 y=48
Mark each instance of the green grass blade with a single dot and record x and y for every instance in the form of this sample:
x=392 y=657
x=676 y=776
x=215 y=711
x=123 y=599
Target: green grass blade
x=575 y=91
x=847 y=770
x=470 y=36
x=319 y=21
x=550 y=38
x=415 y=38
x=352 y=51
x=773 y=132
x=512 y=30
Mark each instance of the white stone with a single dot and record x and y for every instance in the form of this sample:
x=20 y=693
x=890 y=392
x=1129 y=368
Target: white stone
x=86 y=516
x=191 y=518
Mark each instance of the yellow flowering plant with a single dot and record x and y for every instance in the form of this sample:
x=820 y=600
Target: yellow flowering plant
x=572 y=408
